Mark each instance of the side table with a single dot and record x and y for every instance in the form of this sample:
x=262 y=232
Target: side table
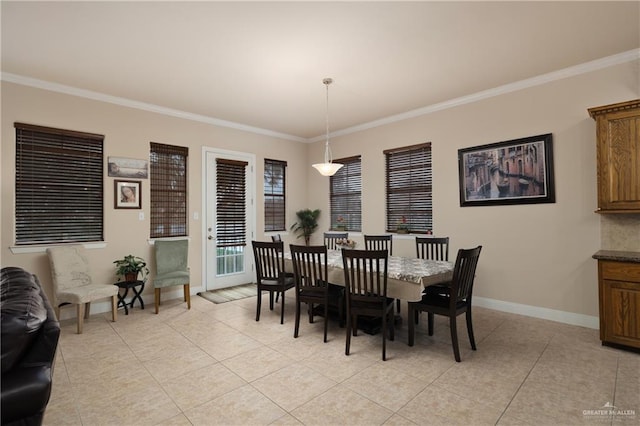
x=126 y=285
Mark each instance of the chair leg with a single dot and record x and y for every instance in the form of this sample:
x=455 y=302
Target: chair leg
x=271 y=300
x=187 y=295
x=454 y=337
x=157 y=299
x=282 y=310
x=87 y=310
x=296 y=327
x=398 y=305
x=472 y=340
x=384 y=337
x=114 y=308
x=412 y=326
x=348 y=340
x=326 y=319
x=430 y=323
x=259 y=304
x=80 y=317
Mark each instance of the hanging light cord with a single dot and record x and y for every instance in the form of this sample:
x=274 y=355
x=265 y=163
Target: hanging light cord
x=327 y=150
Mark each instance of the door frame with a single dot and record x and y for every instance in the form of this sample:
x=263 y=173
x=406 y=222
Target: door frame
x=251 y=215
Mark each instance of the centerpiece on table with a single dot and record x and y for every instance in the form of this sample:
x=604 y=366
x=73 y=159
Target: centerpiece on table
x=346 y=243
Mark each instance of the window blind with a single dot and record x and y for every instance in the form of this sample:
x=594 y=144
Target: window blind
x=274 y=195
x=231 y=222
x=168 y=190
x=59 y=185
x=409 y=186
x=346 y=195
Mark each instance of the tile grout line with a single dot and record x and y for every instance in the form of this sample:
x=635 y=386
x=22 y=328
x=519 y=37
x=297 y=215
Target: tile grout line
x=523 y=381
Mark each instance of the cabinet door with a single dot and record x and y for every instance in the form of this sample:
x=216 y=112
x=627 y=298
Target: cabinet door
x=621 y=304
x=619 y=161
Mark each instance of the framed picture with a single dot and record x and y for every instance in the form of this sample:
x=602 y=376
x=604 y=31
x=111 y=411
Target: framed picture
x=127 y=194
x=518 y=171
x=128 y=168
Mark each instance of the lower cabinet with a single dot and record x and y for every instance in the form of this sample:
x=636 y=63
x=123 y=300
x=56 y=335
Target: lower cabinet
x=619 y=292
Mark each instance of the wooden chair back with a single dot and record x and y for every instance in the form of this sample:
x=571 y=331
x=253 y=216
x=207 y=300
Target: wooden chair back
x=269 y=260
x=331 y=237
x=379 y=242
x=432 y=248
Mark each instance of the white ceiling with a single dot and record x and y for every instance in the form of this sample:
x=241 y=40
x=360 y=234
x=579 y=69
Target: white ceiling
x=261 y=64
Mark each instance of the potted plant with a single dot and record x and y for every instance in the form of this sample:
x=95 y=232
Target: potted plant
x=306 y=224
x=340 y=226
x=403 y=226
x=130 y=267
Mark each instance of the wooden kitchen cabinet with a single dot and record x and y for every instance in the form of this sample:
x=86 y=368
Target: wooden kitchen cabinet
x=618 y=150
x=619 y=295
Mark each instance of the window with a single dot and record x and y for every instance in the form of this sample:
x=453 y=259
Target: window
x=274 y=195
x=346 y=196
x=231 y=221
x=59 y=186
x=168 y=187
x=409 y=180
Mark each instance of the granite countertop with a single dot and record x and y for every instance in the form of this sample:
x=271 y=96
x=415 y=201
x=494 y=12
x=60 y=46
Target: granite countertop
x=618 y=256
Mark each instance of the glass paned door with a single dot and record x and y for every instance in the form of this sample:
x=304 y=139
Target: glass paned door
x=229 y=216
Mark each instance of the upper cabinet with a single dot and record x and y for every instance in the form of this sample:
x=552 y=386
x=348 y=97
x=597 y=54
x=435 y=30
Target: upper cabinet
x=618 y=133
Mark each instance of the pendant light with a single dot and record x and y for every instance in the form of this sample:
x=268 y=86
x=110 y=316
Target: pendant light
x=328 y=168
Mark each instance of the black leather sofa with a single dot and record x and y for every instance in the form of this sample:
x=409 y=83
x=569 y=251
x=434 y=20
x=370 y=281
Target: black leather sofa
x=30 y=332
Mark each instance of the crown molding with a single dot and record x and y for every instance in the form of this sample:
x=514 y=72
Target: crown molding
x=606 y=62
x=609 y=61
x=97 y=96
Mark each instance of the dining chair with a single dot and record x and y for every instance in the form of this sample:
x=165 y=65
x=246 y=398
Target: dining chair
x=312 y=286
x=73 y=283
x=330 y=239
x=171 y=268
x=381 y=242
x=365 y=276
x=451 y=300
x=270 y=274
x=432 y=248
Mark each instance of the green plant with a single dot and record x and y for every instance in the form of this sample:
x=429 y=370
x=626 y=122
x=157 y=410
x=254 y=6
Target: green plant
x=403 y=226
x=131 y=265
x=306 y=224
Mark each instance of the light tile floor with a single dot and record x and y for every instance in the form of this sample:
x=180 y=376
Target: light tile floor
x=215 y=365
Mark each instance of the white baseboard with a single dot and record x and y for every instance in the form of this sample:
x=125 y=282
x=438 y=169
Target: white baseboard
x=483 y=302
x=538 y=312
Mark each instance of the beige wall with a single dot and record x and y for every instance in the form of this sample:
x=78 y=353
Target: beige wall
x=536 y=259
x=127 y=134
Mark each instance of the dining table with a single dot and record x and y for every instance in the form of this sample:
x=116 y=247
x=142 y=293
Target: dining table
x=407 y=277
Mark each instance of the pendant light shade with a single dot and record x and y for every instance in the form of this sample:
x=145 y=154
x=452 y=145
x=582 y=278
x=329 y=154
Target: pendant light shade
x=328 y=168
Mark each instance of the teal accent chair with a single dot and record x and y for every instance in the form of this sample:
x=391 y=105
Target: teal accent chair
x=171 y=268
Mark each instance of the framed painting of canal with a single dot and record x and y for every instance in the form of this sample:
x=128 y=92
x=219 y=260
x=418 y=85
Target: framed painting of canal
x=518 y=171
